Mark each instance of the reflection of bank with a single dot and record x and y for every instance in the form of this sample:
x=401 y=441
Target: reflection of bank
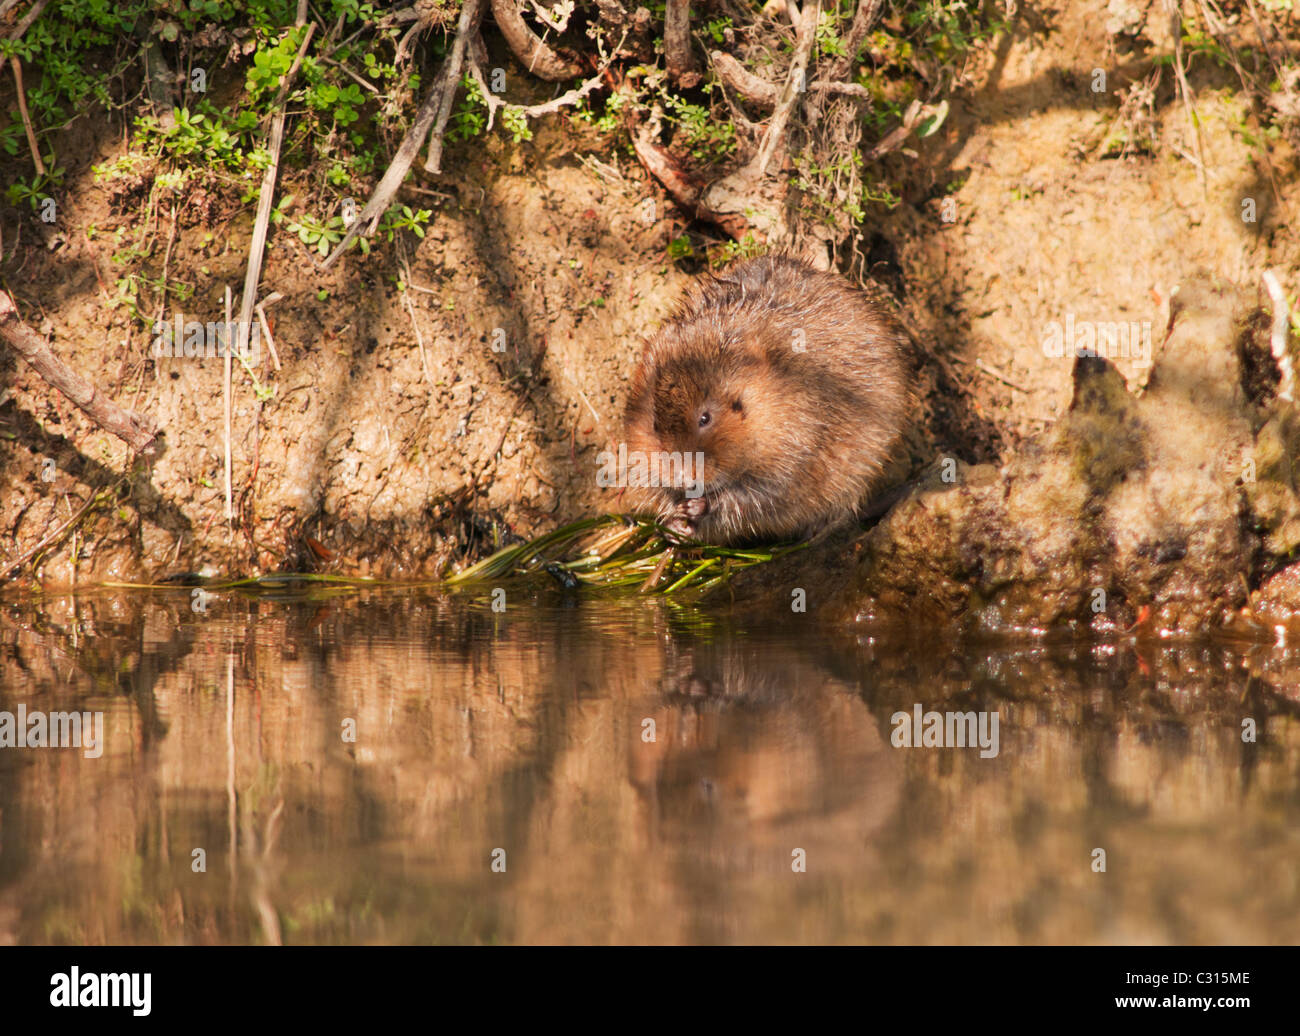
x=759 y=753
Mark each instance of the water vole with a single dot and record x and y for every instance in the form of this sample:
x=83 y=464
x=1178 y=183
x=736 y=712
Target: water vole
x=769 y=406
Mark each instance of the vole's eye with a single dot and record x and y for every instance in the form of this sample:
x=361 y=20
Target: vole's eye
x=705 y=418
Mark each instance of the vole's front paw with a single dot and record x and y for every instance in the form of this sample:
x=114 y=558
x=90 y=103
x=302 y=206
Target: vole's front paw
x=695 y=507
x=684 y=519
x=680 y=526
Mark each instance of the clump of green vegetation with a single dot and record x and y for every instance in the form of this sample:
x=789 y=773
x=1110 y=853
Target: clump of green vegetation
x=350 y=98
x=747 y=247
x=34 y=191
x=614 y=552
x=470 y=115
x=709 y=140
x=916 y=43
x=356 y=84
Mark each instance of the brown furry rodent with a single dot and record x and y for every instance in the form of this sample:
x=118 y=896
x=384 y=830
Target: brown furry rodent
x=792 y=388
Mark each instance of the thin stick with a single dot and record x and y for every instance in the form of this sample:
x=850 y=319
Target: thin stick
x=550 y=107
x=266 y=330
x=863 y=19
x=897 y=137
x=167 y=259
x=419 y=338
x=225 y=389
x=589 y=406
x=136 y=431
x=449 y=78
x=356 y=78
x=1263 y=38
x=27 y=119
x=19 y=30
x=805 y=35
x=1185 y=89
x=257 y=249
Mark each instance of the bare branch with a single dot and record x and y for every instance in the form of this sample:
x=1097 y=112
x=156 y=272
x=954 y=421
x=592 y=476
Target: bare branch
x=16 y=566
x=805 y=34
x=136 y=431
x=688 y=194
x=532 y=53
x=735 y=77
x=448 y=80
x=897 y=137
x=27 y=119
x=17 y=68
x=533 y=111
x=863 y=19
x=266 y=196
x=430 y=111
x=677 y=43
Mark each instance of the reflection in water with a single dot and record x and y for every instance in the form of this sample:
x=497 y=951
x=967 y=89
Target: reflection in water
x=348 y=769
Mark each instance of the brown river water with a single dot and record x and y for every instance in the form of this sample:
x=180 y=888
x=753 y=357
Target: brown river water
x=402 y=766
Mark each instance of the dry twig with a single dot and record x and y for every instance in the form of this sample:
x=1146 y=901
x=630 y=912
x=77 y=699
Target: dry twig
x=736 y=77
x=226 y=400
x=677 y=44
x=17 y=68
x=16 y=566
x=266 y=196
x=532 y=53
x=533 y=111
x=136 y=431
x=435 y=109
x=805 y=35
x=863 y=19
x=19 y=30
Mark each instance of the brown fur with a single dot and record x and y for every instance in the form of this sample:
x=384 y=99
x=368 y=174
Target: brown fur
x=793 y=441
